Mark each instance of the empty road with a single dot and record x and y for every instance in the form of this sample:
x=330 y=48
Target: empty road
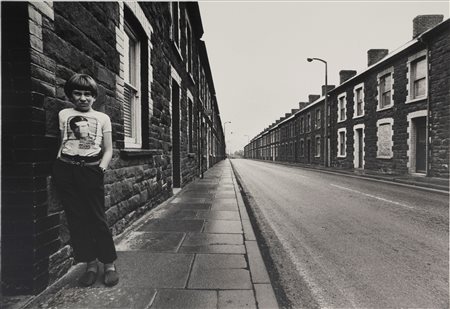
x=342 y=242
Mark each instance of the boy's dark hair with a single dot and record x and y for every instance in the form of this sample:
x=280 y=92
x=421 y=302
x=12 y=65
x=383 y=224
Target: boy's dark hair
x=80 y=82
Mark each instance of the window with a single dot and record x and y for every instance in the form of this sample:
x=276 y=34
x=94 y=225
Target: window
x=328 y=115
x=317 y=146
x=341 y=142
x=175 y=30
x=302 y=147
x=384 y=138
x=358 y=101
x=342 y=103
x=385 y=89
x=417 y=80
x=308 y=124
x=132 y=104
x=318 y=118
x=189 y=60
x=302 y=123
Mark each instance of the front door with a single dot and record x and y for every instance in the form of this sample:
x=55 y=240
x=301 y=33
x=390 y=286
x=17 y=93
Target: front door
x=421 y=145
x=308 y=151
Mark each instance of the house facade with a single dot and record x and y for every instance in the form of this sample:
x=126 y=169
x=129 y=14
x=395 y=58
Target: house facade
x=391 y=118
x=156 y=85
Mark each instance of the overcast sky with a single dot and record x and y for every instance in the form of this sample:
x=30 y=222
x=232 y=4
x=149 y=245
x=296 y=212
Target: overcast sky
x=258 y=50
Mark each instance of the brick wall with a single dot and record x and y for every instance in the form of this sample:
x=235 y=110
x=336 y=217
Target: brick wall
x=439 y=97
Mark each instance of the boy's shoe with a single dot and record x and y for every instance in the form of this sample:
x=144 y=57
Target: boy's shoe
x=88 y=278
x=111 y=277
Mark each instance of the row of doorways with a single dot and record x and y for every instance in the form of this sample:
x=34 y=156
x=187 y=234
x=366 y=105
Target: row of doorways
x=202 y=146
x=418 y=147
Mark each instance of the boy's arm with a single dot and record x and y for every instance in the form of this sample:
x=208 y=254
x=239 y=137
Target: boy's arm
x=61 y=137
x=107 y=150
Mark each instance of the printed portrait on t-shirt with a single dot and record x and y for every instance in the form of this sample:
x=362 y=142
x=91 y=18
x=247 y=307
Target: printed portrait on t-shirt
x=83 y=129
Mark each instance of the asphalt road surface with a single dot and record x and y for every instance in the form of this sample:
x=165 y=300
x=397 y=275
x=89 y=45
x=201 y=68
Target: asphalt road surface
x=342 y=242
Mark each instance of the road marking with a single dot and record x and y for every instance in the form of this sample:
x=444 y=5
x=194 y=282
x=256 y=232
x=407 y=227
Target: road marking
x=373 y=196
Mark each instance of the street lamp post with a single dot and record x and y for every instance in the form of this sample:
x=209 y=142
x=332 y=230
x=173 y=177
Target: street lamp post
x=225 y=136
x=325 y=126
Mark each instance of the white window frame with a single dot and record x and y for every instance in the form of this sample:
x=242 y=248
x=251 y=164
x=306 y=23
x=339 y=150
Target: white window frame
x=381 y=122
x=339 y=155
x=135 y=141
x=308 y=122
x=355 y=144
x=318 y=120
x=344 y=96
x=355 y=102
x=177 y=43
x=411 y=152
x=189 y=45
x=411 y=98
x=389 y=71
x=317 y=153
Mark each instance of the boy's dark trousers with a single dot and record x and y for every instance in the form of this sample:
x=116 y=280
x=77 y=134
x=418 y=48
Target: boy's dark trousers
x=81 y=190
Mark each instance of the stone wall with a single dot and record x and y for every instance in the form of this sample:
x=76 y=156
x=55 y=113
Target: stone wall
x=439 y=104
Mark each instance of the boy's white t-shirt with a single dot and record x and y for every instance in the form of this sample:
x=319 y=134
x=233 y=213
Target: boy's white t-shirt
x=83 y=131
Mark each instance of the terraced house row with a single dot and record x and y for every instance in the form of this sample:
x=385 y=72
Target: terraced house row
x=391 y=118
x=155 y=83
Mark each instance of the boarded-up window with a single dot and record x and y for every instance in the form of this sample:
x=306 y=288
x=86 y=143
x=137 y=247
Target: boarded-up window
x=384 y=143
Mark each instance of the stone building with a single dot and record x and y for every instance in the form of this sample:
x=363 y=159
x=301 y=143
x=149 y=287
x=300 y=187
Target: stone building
x=155 y=83
x=391 y=118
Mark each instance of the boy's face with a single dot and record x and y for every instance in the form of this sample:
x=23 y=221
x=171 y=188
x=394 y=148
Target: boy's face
x=82 y=99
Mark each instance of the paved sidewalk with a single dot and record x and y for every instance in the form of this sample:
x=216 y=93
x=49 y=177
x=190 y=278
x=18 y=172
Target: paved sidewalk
x=197 y=250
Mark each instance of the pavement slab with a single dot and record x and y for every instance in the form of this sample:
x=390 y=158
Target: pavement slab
x=219 y=261
x=265 y=296
x=223 y=226
x=188 y=299
x=227 y=249
x=168 y=225
x=222 y=279
x=151 y=242
x=219 y=215
x=117 y=297
x=153 y=270
x=190 y=206
x=237 y=299
x=204 y=239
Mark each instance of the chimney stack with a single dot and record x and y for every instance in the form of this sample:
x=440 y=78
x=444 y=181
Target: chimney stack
x=287 y=115
x=294 y=110
x=330 y=87
x=375 y=55
x=345 y=75
x=302 y=105
x=422 y=23
x=313 y=97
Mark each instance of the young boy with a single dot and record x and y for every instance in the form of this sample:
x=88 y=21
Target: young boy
x=84 y=155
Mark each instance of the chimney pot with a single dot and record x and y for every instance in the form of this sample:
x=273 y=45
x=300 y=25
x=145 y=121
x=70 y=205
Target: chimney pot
x=422 y=23
x=375 y=55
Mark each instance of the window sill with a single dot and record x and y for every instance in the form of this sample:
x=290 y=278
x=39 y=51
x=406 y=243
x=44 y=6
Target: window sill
x=384 y=108
x=408 y=101
x=360 y=116
x=343 y=120
x=139 y=153
x=342 y=156
x=385 y=157
x=177 y=49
